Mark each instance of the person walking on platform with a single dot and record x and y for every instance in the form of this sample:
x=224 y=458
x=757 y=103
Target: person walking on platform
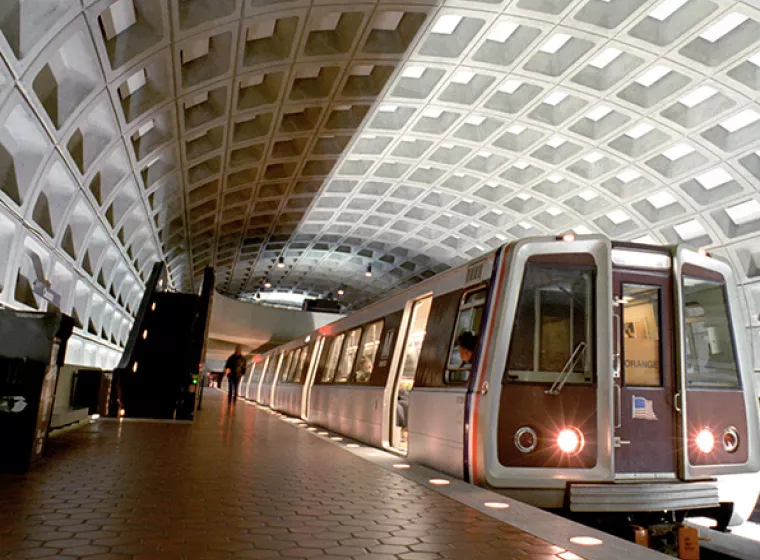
x=235 y=370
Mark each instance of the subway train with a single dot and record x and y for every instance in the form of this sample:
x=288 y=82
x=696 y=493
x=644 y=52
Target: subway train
x=574 y=373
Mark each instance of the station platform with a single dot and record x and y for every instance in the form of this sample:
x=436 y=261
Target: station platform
x=247 y=483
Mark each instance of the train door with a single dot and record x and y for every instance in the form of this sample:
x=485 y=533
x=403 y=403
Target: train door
x=718 y=425
x=645 y=433
x=404 y=378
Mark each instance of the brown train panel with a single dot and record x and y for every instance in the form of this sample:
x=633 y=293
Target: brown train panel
x=440 y=328
x=382 y=366
x=716 y=410
x=652 y=448
x=689 y=269
x=529 y=405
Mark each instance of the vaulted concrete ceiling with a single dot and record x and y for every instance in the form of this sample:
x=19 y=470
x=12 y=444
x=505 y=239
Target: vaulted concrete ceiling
x=409 y=136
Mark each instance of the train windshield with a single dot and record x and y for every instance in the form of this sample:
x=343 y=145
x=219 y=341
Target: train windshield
x=709 y=345
x=552 y=335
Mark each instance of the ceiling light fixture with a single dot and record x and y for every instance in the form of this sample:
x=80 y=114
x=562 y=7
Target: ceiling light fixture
x=699 y=95
x=502 y=31
x=740 y=120
x=607 y=57
x=639 y=130
x=661 y=199
x=510 y=86
x=689 y=230
x=267 y=284
x=446 y=24
x=651 y=77
x=555 y=43
x=723 y=27
x=628 y=175
x=341 y=291
x=368 y=273
x=414 y=72
x=555 y=98
x=666 y=9
x=678 y=151
x=599 y=113
x=281 y=262
x=714 y=178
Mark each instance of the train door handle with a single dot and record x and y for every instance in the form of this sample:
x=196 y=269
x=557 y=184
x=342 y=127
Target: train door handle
x=677 y=402
x=484 y=389
x=620 y=442
x=618 y=406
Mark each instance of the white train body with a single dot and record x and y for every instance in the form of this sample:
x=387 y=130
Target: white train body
x=607 y=377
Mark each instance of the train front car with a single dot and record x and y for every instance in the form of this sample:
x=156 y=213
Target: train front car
x=614 y=378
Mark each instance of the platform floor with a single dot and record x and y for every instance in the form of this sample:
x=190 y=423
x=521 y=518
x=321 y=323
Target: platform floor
x=240 y=484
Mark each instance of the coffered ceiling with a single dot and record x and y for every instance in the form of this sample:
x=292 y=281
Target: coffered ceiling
x=406 y=136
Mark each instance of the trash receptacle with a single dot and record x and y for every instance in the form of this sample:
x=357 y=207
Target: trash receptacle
x=92 y=390
x=32 y=347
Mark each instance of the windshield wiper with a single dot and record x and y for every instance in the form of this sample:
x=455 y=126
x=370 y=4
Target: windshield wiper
x=567 y=370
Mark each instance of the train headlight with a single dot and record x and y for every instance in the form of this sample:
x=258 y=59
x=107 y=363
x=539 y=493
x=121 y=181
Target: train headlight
x=705 y=441
x=526 y=439
x=570 y=441
x=731 y=439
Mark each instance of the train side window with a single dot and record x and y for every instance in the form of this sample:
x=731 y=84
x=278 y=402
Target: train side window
x=274 y=367
x=284 y=376
x=553 y=330
x=470 y=320
x=332 y=359
x=287 y=357
x=348 y=356
x=710 y=353
x=298 y=376
x=369 y=345
x=260 y=372
x=294 y=364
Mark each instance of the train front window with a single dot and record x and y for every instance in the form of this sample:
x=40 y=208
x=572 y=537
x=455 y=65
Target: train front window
x=332 y=359
x=350 y=348
x=552 y=335
x=466 y=335
x=709 y=344
x=641 y=336
x=369 y=345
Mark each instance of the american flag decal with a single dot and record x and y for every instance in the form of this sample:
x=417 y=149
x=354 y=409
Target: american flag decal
x=643 y=408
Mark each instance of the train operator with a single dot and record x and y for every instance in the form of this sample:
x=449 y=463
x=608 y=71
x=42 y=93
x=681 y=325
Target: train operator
x=466 y=342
